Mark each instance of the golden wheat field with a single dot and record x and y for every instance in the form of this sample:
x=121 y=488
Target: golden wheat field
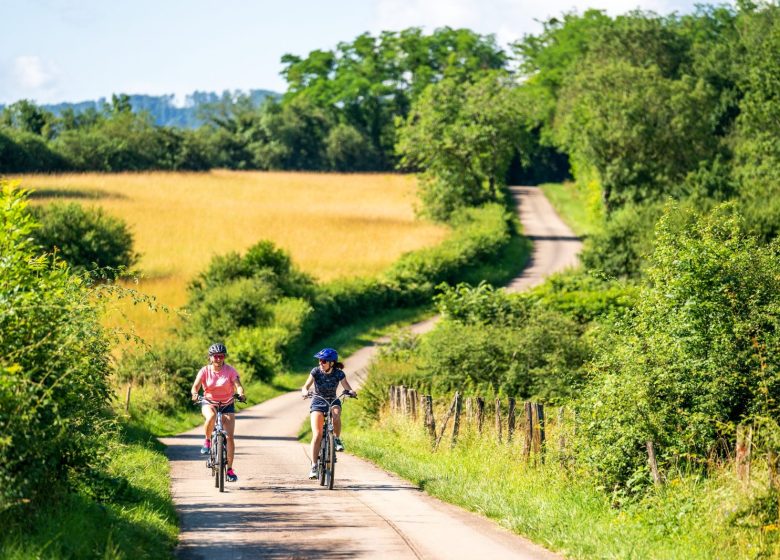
x=333 y=225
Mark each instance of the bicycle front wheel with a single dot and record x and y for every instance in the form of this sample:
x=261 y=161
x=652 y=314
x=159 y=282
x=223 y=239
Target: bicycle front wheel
x=321 y=464
x=221 y=463
x=330 y=463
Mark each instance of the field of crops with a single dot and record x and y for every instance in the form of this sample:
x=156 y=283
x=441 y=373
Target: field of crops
x=333 y=225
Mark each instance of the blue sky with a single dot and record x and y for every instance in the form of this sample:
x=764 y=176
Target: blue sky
x=74 y=50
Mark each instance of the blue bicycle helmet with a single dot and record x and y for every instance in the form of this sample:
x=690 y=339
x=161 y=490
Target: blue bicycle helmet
x=327 y=354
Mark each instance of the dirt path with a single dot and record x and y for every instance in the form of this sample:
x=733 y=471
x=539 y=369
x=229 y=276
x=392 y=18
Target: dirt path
x=274 y=511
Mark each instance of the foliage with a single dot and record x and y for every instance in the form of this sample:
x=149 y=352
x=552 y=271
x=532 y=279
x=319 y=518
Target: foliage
x=85 y=238
x=698 y=356
x=641 y=131
x=464 y=137
x=758 y=124
x=372 y=80
x=620 y=248
x=54 y=370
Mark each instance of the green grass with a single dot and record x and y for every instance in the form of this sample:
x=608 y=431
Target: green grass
x=572 y=206
x=689 y=518
x=127 y=513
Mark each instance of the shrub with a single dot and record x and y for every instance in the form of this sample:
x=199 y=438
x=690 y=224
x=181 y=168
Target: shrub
x=245 y=302
x=54 y=388
x=699 y=356
x=620 y=248
x=86 y=238
x=170 y=367
x=257 y=351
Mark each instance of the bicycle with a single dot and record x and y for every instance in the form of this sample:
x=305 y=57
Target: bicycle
x=217 y=459
x=326 y=465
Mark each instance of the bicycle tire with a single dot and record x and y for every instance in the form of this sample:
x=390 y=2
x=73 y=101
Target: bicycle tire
x=221 y=451
x=321 y=464
x=330 y=463
x=213 y=458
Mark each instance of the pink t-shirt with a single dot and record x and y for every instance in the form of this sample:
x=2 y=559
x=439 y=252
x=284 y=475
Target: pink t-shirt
x=218 y=386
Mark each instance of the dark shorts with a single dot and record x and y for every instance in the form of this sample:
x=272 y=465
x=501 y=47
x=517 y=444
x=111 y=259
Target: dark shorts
x=319 y=405
x=229 y=409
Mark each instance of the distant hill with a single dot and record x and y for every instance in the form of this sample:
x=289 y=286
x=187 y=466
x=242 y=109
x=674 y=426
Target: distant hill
x=164 y=109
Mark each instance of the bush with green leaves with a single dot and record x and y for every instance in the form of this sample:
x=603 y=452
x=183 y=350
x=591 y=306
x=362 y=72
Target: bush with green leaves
x=169 y=366
x=699 y=355
x=54 y=369
x=584 y=297
x=263 y=261
x=626 y=240
x=245 y=302
x=85 y=238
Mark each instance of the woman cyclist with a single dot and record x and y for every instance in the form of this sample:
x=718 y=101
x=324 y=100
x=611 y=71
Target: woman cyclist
x=219 y=381
x=325 y=378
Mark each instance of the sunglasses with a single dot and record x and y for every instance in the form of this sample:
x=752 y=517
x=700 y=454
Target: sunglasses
x=218 y=356
x=323 y=361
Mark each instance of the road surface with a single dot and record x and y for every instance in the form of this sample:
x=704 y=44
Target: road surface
x=274 y=511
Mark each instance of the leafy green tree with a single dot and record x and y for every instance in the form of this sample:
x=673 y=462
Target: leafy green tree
x=294 y=136
x=26 y=116
x=758 y=124
x=641 y=132
x=370 y=81
x=347 y=149
x=463 y=137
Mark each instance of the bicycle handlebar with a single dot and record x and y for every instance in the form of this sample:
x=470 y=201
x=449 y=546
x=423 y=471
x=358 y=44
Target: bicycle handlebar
x=203 y=400
x=345 y=394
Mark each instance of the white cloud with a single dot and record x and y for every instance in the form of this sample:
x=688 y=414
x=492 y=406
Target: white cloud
x=32 y=74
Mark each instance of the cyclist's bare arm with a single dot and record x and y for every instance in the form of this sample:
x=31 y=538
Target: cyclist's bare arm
x=307 y=386
x=345 y=384
x=196 y=386
x=238 y=387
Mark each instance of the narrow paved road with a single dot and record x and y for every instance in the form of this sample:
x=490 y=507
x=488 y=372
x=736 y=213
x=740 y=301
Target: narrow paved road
x=274 y=511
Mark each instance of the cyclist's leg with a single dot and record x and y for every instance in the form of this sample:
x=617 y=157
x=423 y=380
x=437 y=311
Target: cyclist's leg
x=317 y=422
x=336 y=412
x=229 y=423
x=210 y=416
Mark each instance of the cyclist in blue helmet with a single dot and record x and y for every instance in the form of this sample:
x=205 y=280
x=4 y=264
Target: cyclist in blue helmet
x=325 y=378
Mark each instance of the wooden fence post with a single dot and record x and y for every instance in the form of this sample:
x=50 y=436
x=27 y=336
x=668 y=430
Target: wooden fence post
x=498 y=420
x=651 y=460
x=561 y=435
x=774 y=472
x=744 y=443
x=529 y=429
x=391 y=397
x=456 y=424
x=480 y=413
x=413 y=403
x=446 y=421
x=430 y=421
x=402 y=394
x=539 y=409
x=510 y=420
x=127 y=398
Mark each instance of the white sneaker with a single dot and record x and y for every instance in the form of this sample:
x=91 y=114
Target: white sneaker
x=339 y=445
x=313 y=472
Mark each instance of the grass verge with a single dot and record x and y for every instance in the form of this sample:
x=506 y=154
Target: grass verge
x=690 y=517
x=572 y=206
x=127 y=513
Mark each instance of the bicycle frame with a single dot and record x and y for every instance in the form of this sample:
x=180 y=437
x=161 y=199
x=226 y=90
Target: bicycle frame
x=217 y=459
x=326 y=466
